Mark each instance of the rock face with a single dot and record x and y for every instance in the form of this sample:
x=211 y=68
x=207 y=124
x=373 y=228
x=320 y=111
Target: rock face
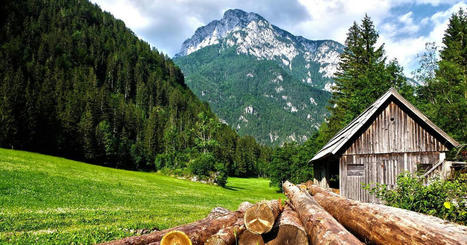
x=251 y=34
x=246 y=67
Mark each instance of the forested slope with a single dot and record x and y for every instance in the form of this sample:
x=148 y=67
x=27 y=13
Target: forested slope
x=76 y=82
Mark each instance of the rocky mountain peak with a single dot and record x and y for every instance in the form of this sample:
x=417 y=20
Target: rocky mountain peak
x=210 y=34
x=239 y=16
x=315 y=61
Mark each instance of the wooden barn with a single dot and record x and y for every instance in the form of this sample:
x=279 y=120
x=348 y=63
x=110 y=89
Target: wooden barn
x=388 y=138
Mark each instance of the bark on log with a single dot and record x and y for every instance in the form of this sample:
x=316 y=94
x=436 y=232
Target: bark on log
x=290 y=229
x=382 y=224
x=218 y=212
x=249 y=238
x=320 y=226
x=260 y=217
x=244 y=206
x=198 y=231
x=229 y=235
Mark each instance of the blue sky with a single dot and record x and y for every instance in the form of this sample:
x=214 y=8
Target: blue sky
x=404 y=25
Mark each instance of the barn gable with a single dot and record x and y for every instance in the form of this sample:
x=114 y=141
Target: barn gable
x=388 y=138
x=394 y=130
x=345 y=136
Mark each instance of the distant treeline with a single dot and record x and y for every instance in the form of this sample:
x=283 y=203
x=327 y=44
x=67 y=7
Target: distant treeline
x=75 y=82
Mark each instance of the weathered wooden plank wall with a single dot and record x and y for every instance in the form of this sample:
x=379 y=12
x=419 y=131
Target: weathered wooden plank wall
x=392 y=144
x=394 y=130
x=356 y=170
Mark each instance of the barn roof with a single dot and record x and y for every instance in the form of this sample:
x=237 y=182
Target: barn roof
x=347 y=133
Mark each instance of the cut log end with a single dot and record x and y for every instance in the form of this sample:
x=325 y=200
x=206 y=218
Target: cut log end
x=175 y=238
x=250 y=238
x=290 y=235
x=260 y=217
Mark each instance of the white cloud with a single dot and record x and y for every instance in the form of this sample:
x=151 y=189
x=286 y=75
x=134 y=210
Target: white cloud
x=405 y=49
x=166 y=24
x=408 y=25
x=331 y=19
x=436 y=2
x=121 y=9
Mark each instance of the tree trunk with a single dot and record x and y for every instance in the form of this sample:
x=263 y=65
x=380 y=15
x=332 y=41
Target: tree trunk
x=260 y=217
x=230 y=234
x=290 y=229
x=249 y=238
x=382 y=224
x=198 y=231
x=320 y=226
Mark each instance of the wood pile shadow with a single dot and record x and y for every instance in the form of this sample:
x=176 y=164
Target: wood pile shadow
x=312 y=215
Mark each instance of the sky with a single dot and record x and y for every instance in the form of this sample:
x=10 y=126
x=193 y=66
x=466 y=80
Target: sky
x=404 y=26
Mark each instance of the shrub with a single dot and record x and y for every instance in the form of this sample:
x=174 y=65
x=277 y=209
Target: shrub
x=202 y=165
x=221 y=174
x=446 y=199
x=290 y=162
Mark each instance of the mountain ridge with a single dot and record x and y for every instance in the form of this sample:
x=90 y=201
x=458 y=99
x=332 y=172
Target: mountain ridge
x=260 y=37
x=244 y=63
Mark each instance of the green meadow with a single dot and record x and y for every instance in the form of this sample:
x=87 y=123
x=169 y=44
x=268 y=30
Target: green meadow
x=45 y=200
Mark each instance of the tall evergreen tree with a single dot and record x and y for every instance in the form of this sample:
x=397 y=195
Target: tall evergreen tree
x=446 y=94
x=364 y=74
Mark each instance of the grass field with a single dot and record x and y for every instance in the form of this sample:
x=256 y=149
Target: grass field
x=46 y=199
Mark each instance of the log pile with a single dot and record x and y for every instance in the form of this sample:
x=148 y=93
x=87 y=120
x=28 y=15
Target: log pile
x=380 y=224
x=313 y=215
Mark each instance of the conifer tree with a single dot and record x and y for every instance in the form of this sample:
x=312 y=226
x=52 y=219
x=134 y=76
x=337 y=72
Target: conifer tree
x=364 y=74
x=446 y=94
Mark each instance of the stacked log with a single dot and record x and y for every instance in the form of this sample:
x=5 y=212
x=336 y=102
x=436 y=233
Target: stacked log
x=290 y=229
x=198 y=231
x=324 y=218
x=380 y=224
x=229 y=235
x=260 y=217
x=320 y=226
x=250 y=238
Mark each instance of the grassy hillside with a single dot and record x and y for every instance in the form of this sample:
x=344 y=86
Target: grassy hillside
x=77 y=83
x=46 y=199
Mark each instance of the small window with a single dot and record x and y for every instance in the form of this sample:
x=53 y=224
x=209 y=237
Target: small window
x=355 y=170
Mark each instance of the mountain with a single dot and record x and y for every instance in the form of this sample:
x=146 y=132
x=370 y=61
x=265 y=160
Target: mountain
x=261 y=80
x=75 y=82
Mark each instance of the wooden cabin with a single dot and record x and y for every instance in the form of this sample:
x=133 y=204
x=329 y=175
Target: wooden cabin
x=388 y=138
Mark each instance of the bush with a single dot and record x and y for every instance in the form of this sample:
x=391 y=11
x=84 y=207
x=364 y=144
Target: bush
x=290 y=162
x=445 y=199
x=221 y=174
x=206 y=168
x=202 y=165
